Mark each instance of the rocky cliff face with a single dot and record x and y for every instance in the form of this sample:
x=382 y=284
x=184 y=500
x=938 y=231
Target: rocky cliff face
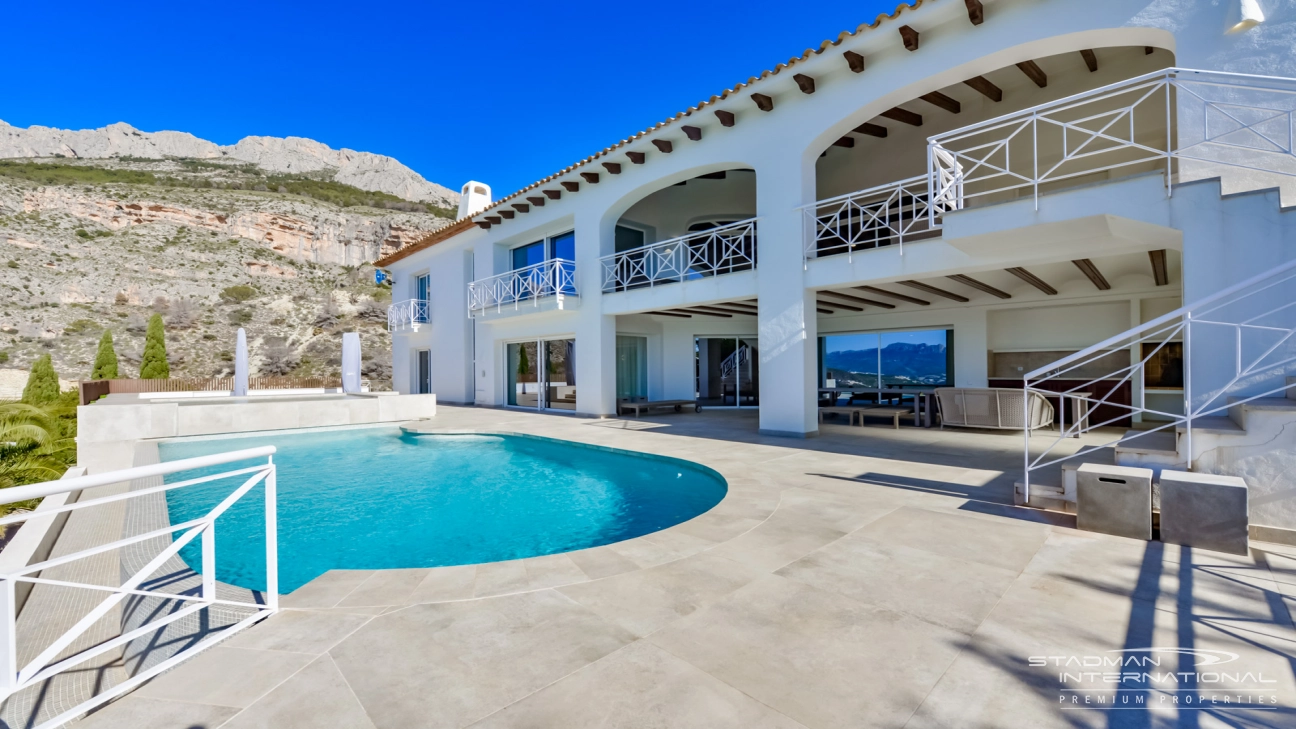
x=291 y=155
x=301 y=231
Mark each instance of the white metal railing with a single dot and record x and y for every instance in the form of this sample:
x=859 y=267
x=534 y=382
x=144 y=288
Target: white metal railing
x=879 y=216
x=729 y=365
x=47 y=663
x=555 y=277
x=409 y=314
x=1237 y=346
x=725 y=249
x=1194 y=120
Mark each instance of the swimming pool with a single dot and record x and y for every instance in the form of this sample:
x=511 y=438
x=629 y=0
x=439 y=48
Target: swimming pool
x=378 y=498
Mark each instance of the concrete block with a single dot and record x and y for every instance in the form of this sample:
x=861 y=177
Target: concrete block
x=1204 y=510
x=395 y=408
x=1114 y=500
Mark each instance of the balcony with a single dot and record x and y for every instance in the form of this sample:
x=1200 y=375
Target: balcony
x=548 y=285
x=407 y=316
x=880 y=216
x=725 y=249
x=1183 y=123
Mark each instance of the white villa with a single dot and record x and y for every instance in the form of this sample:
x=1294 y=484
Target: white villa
x=963 y=193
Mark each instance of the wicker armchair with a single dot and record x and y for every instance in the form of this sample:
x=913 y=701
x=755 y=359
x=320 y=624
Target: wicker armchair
x=992 y=407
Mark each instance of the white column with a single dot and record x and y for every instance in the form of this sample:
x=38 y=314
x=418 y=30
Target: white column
x=595 y=331
x=788 y=321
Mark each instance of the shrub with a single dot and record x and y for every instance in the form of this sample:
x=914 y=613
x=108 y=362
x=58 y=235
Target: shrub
x=183 y=314
x=12 y=264
x=154 y=365
x=105 y=363
x=42 y=384
x=81 y=326
x=4 y=357
x=238 y=294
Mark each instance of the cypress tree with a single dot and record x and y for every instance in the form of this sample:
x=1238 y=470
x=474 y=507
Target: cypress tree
x=42 y=384
x=154 y=364
x=105 y=364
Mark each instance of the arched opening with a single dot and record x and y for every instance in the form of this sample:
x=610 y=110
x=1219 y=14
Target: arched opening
x=699 y=227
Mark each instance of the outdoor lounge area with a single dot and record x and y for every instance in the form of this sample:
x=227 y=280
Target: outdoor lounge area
x=841 y=582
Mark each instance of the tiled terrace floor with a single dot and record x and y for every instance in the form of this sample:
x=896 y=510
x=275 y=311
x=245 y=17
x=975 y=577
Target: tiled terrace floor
x=867 y=578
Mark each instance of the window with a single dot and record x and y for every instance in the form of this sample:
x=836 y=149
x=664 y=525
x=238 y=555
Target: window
x=1164 y=369
x=422 y=291
x=563 y=246
x=528 y=255
x=556 y=246
x=869 y=361
x=625 y=239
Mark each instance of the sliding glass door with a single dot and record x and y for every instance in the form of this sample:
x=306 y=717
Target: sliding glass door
x=632 y=368
x=726 y=370
x=542 y=374
x=861 y=365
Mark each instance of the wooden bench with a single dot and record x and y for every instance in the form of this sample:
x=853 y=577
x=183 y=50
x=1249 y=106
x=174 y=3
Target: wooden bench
x=894 y=412
x=640 y=407
x=839 y=410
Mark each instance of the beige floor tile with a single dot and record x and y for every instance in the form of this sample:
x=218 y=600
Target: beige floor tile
x=299 y=631
x=385 y=587
x=551 y=571
x=501 y=578
x=821 y=658
x=327 y=590
x=1004 y=543
x=954 y=593
x=316 y=696
x=225 y=676
x=601 y=562
x=446 y=583
x=649 y=599
x=448 y=664
x=137 y=712
x=638 y=686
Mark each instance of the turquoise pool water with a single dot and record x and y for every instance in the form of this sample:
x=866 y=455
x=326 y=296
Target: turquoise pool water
x=376 y=498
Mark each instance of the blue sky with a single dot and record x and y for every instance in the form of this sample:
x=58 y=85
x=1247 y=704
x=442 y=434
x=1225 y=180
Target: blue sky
x=504 y=93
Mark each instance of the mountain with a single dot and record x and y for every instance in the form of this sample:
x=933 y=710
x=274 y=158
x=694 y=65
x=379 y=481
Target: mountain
x=366 y=171
x=263 y=235
x=901 y=362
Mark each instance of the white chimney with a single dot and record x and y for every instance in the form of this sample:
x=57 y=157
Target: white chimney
x=474 y=198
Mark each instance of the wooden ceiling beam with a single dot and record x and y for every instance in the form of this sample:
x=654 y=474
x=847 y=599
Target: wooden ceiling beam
x=663 y=145
x=590 y=177
x=738 y=305
x=694 y=133
x=822 y=310
x=1160 y=271
x=855 y=61
x=483 y=224
x=537 y=201
x=727 y=312
x=933 y=290
x=1090 y=59
x=839 y=305
x=873 y=130
x=494 y=219
x=713 y=175
x=506 y=214
x=522 y=207
x=700 y=312
x=856 y=299
x=979 y=286
x=1034 y=73
x=727 y=118
x=909 y=37
x=553 y=194
x=847 y=142
x=1032 y=279
x=612 y=167
x=804 y=82
x=763 y=102
x=903 y=115
x=894 y=295
x=976 y=12
x=670 y=313
x=570 y=186
x=637 y=157
x=936 y=98
x=987 y=89
x=1092 y=273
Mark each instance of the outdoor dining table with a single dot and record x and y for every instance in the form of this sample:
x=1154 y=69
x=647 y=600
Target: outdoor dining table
x=924 y=406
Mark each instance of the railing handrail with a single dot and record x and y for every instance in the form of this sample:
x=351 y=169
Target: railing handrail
x=1157 y=322
x=79 y=483
x=681 y=238
x=520 y=271
x=1076 y=99
x=917 y=179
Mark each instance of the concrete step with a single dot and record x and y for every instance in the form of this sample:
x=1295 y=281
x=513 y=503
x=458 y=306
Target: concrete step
x=1161 y=442
x=1269 y=403
x=1043 y=496
x=1291 y=388
x=1215 y=424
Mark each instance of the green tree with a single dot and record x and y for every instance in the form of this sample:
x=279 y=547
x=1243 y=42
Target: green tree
x=105 y=364
x=42 y=384
x=154 y=364
x=524 y=366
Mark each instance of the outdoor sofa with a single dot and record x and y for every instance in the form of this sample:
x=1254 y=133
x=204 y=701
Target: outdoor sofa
x=992 y=407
